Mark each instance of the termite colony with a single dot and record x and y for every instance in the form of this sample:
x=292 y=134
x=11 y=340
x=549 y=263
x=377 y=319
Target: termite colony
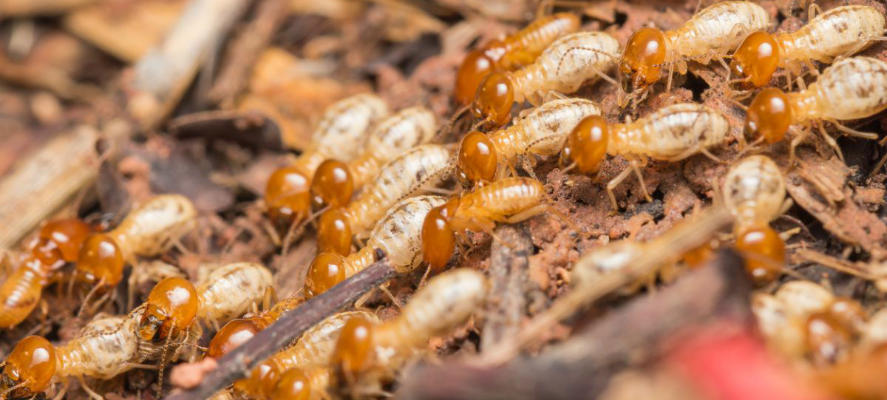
x=548 y=146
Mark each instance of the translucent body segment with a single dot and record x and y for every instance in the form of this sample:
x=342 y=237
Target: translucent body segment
x=231 y=290
x=754 y=191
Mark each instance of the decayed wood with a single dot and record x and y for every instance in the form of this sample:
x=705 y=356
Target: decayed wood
x=288 y=328
x=244 y=51
x=128 y=35
x=508 y=277
x=18 y=8
x=44 y=181
x=249 y=128
x=820 y=187
x=161 y=77
x=582 y=366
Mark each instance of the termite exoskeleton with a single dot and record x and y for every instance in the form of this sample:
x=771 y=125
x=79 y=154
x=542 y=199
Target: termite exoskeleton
x=710 y=34
x=106 y=347
x=507 y=200
x=238 y=331
x=398 y=235
x=754 y=192
x=563 y=67
x=418 y=169
x=805 y=318
x=511 y=52
x=335 y=181
x=851 y=88
x=671 y=133
x=147 y=231
x=228 y=291
x=373 y=352
x=314 y=348
x=541 y=132
x=57 y=243
x=841 y=31
x=339 y=134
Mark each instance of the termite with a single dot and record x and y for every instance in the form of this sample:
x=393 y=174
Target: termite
x=671 y=133
x=147 y=231
x=339 y=134
x=851 y=88
x=105 y=348
x=238 y=331
x=375 y=351
x=335 y=181
x=511 y=52
x=418 y=169
x=314 y=348
x=228 y=291
x=841 y=31
x=563 y=67
x=711 y=33
x=398 y=235
x=805 y=318
x=754 y=192
x=541 y=132
x=57 y=243
x=507 y=200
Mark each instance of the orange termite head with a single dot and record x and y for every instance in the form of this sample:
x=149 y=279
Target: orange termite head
x=353 y=351
x=756 y=58
x=769 y=115
x=477 y=158
x=60 y=239
x=826 y=338
x=232 y=335
x=764 y=253
x=332 y=184
x=475 y=67
x=262 y=380
x=494 y=98
x=28 y=368
x=334 y=232
x=438 y=236
x=644 y=56
x=100 y=260
x=325 y=271
x=171 y=305
x=586 y=144
x=293 y=385
x=288 y=196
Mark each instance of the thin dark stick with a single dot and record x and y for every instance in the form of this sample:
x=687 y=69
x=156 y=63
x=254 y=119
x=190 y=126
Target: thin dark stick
x=237 y=363
x=509 y=263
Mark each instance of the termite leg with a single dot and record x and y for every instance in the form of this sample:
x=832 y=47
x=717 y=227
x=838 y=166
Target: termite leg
x=92 y=394
x=613 y=183
x=853 y=132
x=829 y=140
x=799 y=137
x=636 y=167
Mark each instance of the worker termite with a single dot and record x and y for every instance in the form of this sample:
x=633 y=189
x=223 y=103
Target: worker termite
x=754 y=192
x=334 y=181
x=147 y=231
x=671 y=133
x=238 y=331
x=851 y=88
x=710 y=34
x=57 y=243
x=339 y=134
x=105 y=347
x=563 y=67
x=398 y=235
x=805 y=318
x=841 y=31
x=314 y=348
x=541 y=132
x=507 y=200
x=373 y=352
x=418 y=169
x=228 y=291
x=511 y=52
